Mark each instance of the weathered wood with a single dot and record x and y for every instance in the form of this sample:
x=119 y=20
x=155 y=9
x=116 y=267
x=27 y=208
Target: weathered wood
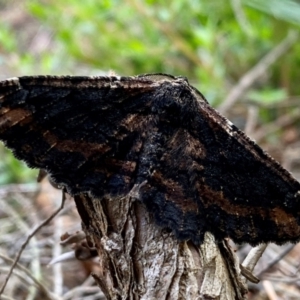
x=139 y=260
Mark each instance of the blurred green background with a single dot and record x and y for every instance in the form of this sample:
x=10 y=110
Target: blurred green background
x=243 y=55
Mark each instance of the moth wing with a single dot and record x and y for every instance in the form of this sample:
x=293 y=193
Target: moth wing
x=86 y=132
x=196 y=171
x=212 y=177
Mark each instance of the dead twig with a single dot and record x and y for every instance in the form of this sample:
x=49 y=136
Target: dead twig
x=240 y=16
x=257 y=71
x=18 y=188
x=28 y=239
x=268 y=286
x=251 y=120
x=28 y=275
x=253 y=256
x=283 y=121
x=4 y=297
x=276 y=259
x=57 y=268
x=251 y=260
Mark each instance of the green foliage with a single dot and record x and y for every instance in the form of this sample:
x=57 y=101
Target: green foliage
x=203 y=40
x=213 y=43
x=6 y=41
x=13 y=170
x=267 y=96
x=286 y=10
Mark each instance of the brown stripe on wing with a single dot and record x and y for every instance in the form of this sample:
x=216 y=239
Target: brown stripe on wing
x=22 y=117
x=11 y=117
x=87 y=149
x=287 y=224
x=174 y=193
x=219 y=123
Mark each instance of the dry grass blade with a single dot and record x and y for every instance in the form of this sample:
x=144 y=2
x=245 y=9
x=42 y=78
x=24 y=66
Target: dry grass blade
x=46 y=221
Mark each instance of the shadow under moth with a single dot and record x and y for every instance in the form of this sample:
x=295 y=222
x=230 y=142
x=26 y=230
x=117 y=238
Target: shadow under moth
x=191 y=167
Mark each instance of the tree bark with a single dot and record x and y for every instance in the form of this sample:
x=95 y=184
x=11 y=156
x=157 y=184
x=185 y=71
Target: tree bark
x=140 y=260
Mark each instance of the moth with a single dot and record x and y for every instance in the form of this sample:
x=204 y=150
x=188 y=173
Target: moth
x=195 y=171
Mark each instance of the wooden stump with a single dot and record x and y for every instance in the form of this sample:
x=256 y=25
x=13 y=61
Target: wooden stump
x=140 y=260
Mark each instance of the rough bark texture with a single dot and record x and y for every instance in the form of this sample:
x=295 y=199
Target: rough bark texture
x=139 y=260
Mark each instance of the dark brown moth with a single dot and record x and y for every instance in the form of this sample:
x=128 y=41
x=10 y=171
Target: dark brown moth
x=157 y=135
